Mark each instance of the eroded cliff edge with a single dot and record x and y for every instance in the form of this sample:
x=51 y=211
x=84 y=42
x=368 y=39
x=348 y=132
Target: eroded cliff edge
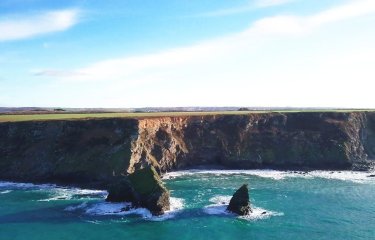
x=93 y=150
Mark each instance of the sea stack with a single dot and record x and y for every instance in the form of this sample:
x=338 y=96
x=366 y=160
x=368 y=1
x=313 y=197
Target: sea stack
x=150 y=190
x=239 y=203
x=143 y=188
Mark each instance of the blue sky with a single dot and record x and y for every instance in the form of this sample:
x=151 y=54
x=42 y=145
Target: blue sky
x=131 y=53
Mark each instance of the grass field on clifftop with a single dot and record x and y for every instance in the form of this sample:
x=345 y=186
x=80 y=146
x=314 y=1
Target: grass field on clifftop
x=72 y=116
x=69 y=116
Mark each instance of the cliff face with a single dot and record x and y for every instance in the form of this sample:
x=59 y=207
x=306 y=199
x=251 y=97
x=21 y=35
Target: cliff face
x=94 y=150
x=65 y=151
x=293 y=140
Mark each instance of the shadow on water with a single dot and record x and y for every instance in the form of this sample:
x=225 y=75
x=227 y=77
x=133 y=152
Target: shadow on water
x=49 y=214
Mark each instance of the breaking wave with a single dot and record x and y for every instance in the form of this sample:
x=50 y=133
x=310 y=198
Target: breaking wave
x=5 y=192
x=353 y=176
x=220 y=204
x=124 y=209
x=59 y=193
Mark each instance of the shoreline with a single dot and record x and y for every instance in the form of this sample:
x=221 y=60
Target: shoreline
x=344 y=175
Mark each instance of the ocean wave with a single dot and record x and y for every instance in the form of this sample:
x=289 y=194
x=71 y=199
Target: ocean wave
x=353 y=176
x=76 y=207
x=5 y=192
x=106 y=208
x=124 y=209
x=60 y=193
x=16 y=185
x=220 y=204
x=260 y=213
x=176 y=205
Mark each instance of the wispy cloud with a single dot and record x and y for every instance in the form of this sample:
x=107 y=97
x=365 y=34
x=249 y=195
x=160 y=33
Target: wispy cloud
x=21 y=27
x=298 y=24
x=269 y=3
x=249 y=6
x=196 y=56
x=257 y=66
x=56 y=73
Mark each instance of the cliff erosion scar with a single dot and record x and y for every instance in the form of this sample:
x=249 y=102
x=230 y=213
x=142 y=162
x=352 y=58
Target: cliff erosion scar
x=94 y=150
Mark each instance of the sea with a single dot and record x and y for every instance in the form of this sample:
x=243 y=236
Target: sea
x=286 y=205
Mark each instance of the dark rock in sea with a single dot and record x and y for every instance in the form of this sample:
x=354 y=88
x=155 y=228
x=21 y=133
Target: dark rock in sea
x=120 y=191
x=372 y=175
x=125 y=209
x=240 y=203
x=149 y=190
x=143 y=188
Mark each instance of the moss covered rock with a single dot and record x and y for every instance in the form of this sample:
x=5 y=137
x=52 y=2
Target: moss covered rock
x=143 y=188
x=120 y=191
x=240 y=203
x=149 y=190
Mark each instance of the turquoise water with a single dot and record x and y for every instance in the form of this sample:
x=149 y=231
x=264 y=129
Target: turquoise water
x=318 y=205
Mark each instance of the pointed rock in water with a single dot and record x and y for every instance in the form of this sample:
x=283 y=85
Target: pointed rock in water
x=240 y=203
x=150 y=191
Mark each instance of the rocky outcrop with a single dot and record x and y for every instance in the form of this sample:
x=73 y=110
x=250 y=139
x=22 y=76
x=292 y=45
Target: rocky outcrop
x=149 y=190
x=92 y=151
x=239 y=203
x=143 y=188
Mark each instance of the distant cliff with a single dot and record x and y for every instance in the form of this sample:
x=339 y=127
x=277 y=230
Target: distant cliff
x=93 y=150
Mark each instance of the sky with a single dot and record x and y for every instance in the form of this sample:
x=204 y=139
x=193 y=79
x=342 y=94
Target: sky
x=178 y=53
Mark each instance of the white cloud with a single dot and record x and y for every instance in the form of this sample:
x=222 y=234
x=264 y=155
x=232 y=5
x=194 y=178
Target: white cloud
x=56 y=73
x=214 y=50
x=21 y=27
x=256 y=67
x=354 y=9
x=298 y=24
x=269 y=3
x=249 y=6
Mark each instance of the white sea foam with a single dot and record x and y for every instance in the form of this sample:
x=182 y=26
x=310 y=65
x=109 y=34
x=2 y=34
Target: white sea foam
x=358 y=177
x=220 y=199
x=123 y=209
x=60 y=193
x=76 y=207
x=260 y=213
x=107 y=208
x=354 y=176
x=176 y=205
x=15 y=185
x=220 y=204
x=5 y=192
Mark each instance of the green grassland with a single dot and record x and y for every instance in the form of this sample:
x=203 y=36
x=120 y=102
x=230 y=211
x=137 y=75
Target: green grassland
x=73 y=116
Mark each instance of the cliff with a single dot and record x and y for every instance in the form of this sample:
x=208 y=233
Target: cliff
x=93 y=150
x=78 y=151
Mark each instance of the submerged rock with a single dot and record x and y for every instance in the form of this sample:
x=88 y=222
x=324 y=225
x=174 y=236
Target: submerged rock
x=143 y=188
x=240 y=203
